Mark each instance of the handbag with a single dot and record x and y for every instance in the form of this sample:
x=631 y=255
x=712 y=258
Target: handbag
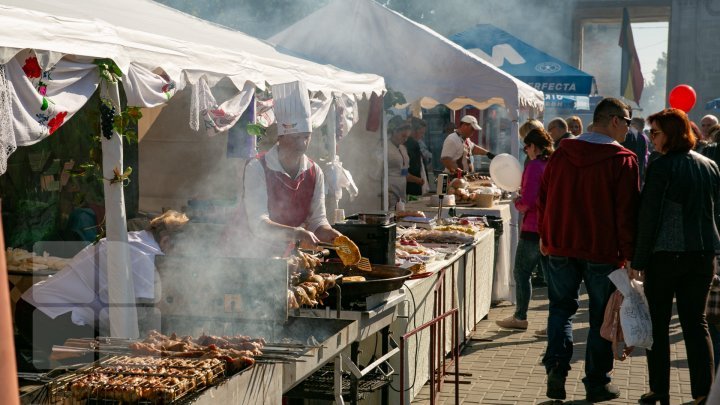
x=611 y=328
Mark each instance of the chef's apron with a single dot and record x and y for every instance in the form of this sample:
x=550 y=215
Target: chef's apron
x=289 y=203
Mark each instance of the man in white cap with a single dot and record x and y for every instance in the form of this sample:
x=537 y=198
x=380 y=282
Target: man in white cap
x=283 y=189
x=458 y=147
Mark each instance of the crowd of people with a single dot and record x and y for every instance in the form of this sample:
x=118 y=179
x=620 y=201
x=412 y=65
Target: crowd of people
x=614 y=197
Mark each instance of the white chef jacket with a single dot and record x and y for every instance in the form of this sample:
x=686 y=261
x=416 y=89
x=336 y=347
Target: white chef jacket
x=256 y=197
x=455 y=147
x=78 y=289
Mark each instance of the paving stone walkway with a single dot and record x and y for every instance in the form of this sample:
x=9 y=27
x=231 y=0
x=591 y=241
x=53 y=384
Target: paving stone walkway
x=506 y=365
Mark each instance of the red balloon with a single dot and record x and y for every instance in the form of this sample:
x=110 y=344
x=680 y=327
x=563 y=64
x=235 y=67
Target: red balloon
x=682 y=97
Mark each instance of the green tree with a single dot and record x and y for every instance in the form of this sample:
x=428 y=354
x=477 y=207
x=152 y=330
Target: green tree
x=654 y=91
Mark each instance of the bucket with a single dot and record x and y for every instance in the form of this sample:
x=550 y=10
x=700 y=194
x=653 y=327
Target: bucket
x=484 y=200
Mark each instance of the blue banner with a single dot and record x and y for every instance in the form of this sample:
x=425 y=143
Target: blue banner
x=531 y=65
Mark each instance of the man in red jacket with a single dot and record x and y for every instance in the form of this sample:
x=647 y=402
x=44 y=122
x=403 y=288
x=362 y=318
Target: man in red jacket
x=587 y=209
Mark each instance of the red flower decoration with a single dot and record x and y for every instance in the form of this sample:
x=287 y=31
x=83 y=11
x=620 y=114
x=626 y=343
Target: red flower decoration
x=217 y=113
x=56 y=121
x=32 y=68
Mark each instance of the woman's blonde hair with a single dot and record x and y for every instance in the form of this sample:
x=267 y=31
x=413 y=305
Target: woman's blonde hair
x=528 y=126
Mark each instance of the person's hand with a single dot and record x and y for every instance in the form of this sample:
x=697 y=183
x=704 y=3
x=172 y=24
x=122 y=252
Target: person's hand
x=307 y=239
x=420 y=181
x=636 y=275
x=543 y=250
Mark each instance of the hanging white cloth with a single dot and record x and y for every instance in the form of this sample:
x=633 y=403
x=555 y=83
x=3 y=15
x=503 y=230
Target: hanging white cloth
x=347 y=114
x=319 y=107
x=42 y=100
x=7 y=134
x=338 y=178
x=216 y=117
x=144 y=88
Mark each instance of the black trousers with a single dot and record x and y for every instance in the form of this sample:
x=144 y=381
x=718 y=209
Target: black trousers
x=685 y=276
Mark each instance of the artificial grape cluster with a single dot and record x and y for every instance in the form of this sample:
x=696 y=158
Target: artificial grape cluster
x=107 y=114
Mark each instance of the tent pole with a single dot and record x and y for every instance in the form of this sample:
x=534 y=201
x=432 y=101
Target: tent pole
x=332 y=203
x=121 y=292
x=386 y=181
x=515 y=135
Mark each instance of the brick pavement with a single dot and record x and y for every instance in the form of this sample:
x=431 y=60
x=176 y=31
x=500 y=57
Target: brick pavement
x=506 y=365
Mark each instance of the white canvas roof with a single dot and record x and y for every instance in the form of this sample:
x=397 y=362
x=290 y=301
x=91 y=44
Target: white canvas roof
x=155 y=36
x=415 y=60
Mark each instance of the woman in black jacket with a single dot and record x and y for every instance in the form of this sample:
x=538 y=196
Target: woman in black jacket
x=676 y=243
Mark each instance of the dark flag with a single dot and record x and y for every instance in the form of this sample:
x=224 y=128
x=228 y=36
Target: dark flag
x=631 y=78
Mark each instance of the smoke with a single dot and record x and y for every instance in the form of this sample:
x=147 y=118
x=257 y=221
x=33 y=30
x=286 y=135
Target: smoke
x=259 y=18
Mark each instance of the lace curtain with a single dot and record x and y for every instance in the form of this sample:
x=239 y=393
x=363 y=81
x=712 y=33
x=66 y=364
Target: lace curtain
x=7 y=134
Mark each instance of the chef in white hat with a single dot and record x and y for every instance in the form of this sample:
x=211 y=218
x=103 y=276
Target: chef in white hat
x=284 y=190
x=458 y=148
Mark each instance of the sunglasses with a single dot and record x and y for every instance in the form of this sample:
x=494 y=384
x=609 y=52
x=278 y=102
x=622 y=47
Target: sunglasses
x=627 y=120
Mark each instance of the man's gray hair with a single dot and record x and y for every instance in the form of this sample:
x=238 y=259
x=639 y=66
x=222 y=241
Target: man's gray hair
x=558 y=122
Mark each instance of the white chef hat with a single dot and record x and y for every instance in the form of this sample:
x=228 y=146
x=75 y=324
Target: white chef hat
x=292 y=108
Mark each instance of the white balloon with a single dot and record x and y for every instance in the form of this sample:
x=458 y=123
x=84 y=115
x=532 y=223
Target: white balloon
x=506 y=172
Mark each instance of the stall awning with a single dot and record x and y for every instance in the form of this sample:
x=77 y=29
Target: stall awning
x=159 y=37
x=713 y=104
x=415 y=60
x=529 y=64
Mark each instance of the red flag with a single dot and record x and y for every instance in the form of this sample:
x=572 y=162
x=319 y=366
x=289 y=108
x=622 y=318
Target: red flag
x=8 y=372
x=631 y=78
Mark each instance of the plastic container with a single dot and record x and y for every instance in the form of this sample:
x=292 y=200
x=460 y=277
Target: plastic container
x=375 y=241
x=484 y=200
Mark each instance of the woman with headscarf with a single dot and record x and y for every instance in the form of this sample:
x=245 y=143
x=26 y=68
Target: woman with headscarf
x=398 y=160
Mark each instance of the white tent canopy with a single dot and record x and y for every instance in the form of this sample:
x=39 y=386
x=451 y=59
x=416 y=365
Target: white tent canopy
x=158 y=37
x=415 y=60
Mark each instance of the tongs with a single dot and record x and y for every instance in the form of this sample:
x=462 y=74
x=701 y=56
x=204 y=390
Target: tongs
x=363 y=264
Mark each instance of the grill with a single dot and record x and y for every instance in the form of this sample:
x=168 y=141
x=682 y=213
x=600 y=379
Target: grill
x=136 y=380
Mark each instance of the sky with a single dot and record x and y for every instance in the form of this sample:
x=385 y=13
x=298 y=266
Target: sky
x=651 y=40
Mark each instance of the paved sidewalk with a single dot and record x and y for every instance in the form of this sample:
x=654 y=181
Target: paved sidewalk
x=506 y=365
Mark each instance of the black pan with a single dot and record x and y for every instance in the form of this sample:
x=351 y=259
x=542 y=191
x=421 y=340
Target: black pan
x=382 y=279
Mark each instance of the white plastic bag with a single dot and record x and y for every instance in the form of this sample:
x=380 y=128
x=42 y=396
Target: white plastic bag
x=634 y=311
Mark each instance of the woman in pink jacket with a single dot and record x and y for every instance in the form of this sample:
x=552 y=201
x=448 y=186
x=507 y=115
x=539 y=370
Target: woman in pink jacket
x=538 y=147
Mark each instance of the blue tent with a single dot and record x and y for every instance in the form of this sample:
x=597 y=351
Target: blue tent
x=713 y=104
x=529 y=64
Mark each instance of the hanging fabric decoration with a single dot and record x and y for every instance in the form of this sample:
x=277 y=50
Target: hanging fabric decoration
x=319 y=107
x=347 y=115
x=217 y=118
x=144 y=88
x=242 y=144
x=7 y=134
x=42 y=100
x=264 y=114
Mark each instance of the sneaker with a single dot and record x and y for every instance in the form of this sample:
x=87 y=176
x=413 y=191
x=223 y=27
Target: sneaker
x=600 y=394
x=512 y=323
x=542 y=333
x=556 y=384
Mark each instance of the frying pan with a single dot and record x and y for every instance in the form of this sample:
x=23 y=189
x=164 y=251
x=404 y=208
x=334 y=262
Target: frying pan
x=382 y=279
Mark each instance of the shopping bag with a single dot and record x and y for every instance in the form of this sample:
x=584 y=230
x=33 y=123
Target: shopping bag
x=712 y=309
x=634 y=311
x=611 y=329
